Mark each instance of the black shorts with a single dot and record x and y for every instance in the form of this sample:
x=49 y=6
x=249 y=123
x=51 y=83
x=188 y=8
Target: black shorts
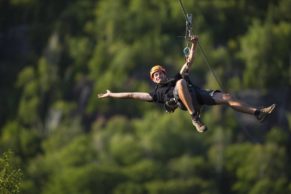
x=203 y=97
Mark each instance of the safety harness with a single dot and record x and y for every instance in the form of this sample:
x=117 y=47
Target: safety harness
x=172 y=103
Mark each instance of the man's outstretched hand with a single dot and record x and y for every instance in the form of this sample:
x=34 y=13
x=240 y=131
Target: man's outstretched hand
x=104 y=95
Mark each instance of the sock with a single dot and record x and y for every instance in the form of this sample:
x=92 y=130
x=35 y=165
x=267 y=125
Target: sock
x=194 y=114
x=257 y=112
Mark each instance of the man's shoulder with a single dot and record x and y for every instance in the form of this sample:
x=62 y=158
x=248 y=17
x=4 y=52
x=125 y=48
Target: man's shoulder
x=176 y=77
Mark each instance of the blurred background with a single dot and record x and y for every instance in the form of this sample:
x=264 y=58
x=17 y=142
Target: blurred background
x=56 y=137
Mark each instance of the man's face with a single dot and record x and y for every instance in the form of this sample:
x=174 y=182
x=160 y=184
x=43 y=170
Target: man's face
x=159 y=77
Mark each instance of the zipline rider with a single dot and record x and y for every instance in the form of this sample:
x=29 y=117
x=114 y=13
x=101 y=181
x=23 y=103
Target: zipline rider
x=180 y=92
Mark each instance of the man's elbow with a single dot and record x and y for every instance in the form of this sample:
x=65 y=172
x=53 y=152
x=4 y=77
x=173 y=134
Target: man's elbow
x=130 y=95
x=189 y=61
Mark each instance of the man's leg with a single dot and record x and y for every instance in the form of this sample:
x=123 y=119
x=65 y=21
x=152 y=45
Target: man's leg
x=185 y=97
x=227 y=99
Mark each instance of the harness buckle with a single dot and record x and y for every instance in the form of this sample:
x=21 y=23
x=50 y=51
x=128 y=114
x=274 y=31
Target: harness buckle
x=171 y=105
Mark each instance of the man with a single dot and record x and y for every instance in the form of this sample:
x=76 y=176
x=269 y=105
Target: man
x=180 y=92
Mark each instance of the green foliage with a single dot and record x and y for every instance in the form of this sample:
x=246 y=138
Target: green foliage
x=186 y=167
x=129 y=188
x=256 y=48
x=70 y=157
x=164 y=137
x=10 y=175
x=86 y=179
x=194 y=185
x=255 y=168
x=23 y=141
x=56 y=55
x=145 y=170
x=121 y=145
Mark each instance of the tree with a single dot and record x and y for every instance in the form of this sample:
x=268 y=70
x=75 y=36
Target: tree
x=255 y=170
x=10 y=175
x=257 y=44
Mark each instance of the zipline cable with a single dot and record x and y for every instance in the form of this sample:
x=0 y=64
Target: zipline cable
x=209 y=67
x=184 y=11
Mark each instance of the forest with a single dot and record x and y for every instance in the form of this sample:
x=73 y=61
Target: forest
x=58 y=137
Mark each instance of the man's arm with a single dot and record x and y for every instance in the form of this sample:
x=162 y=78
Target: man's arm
x=189 y=60
x=127 y=95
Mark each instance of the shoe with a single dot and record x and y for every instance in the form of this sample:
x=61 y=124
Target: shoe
x=265 y=112
x=200 y=127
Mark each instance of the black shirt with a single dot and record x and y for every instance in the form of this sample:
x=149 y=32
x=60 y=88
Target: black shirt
x=164 y=91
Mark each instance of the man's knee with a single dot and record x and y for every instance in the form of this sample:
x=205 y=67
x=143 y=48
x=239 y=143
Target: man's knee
x=181 y=83
x=222 y=98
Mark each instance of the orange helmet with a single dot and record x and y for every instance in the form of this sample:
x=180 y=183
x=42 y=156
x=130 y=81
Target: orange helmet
x=155 y=69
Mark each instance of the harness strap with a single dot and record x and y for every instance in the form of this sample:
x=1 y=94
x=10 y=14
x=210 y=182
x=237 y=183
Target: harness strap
x=171 y=105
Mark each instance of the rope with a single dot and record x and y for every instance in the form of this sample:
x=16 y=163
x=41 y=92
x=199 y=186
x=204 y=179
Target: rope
x=184 y=11
x=188 y=29
x=209 y=67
